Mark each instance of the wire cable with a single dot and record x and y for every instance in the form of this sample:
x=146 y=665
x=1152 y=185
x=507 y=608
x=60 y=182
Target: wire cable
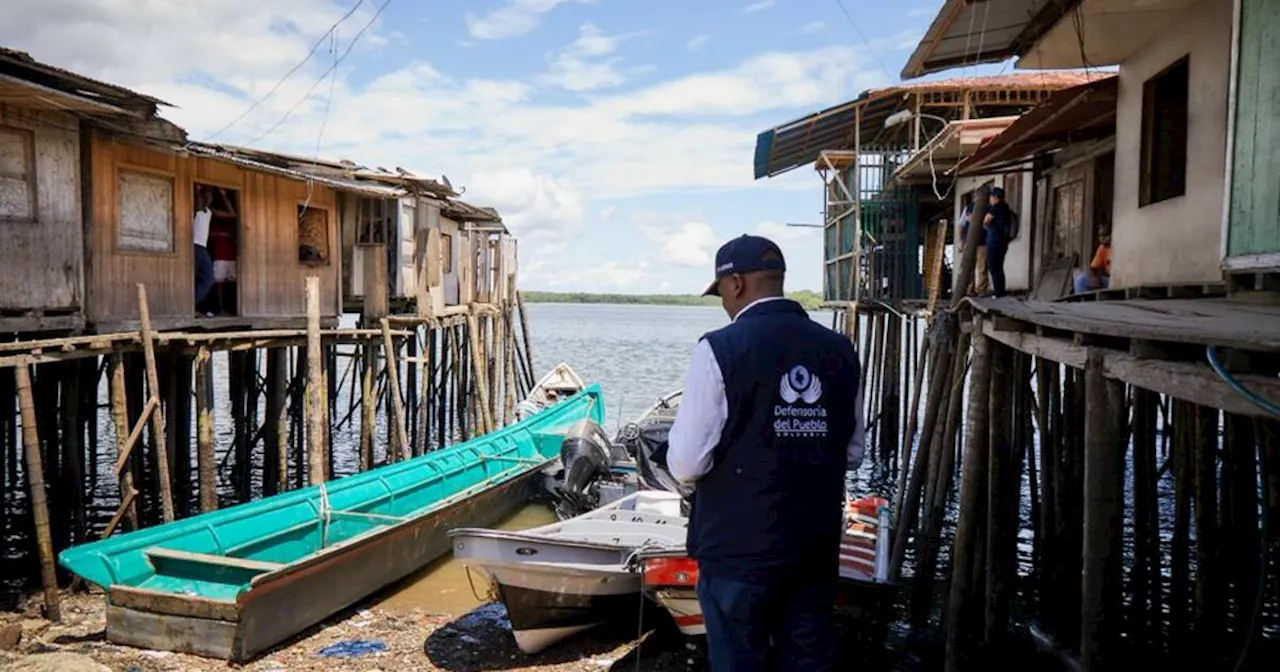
x=862 y=37
x=292 y=70
x=324 y=74
x=1265 y=404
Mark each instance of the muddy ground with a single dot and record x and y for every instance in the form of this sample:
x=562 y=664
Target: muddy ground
x=414 y=639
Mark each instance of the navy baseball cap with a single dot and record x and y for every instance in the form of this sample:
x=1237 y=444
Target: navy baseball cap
x=745 y=254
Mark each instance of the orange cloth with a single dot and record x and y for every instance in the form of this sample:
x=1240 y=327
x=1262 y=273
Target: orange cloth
x=1102 y=260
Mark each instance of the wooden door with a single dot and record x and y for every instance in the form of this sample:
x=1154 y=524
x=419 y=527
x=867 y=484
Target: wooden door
x=1254 y=234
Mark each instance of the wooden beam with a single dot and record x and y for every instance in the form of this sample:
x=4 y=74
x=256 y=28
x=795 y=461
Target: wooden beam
x=1193 y=382
x=397 y=401
x=39 y=498
x=315 y=411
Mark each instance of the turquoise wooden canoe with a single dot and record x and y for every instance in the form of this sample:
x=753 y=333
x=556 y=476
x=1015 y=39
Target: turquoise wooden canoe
x=232 y=583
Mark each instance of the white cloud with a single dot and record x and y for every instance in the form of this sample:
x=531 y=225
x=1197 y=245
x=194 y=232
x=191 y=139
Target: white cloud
x=609 y=276
x=580 y=66
x=608 y=213
x=682 y=240
x=698 y=42
x=758 y=6
x=813 y=27
x=513 y=19
x=545 y=163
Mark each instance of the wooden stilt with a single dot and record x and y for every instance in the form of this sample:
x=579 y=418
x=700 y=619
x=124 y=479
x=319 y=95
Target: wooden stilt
x=316 y=414
x=396 y=403
x=368 y=404
x=72 y=448
x=976 y=451
x=1104 y=461
x=275 y=461
x=39 y=503
x=157 y=416
x=482 y=387
x=206 y=460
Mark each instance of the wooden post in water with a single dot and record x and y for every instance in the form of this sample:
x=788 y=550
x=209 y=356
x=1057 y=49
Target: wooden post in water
x=206 y=460
x=317 y=416
x=368 y=403
x=1103 y=516
x=482 y=385
x=275 y=427
x=1001 y=527
x=528 y=343
x=960 y=628
x=396 y=403
x=120 y=419
x=1144 y=621
x=39 y=498
x=1210 y=596
x=157 y=415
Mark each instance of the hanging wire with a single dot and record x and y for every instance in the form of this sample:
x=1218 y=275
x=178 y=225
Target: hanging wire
x=862 y=37
x=324 y=74
x=1265 y=404
x=292 y=70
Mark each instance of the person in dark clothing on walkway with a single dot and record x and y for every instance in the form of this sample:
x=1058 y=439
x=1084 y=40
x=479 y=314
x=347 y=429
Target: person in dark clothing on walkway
x=769 y=422
x=997 y=223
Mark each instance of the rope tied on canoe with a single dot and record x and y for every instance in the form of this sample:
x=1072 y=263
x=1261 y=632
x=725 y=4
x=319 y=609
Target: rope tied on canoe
x=325 y=514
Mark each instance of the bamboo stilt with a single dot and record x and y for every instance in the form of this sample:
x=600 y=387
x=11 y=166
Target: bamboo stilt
x=39 y=501
x=275 y=438
x=120 y=418
x=368 y=405
x=482 y=386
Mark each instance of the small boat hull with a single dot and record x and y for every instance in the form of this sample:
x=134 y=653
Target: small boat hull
x=546 y=606
x=290 y=602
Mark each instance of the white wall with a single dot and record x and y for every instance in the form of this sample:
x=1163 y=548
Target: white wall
x=1177 y=240
x=1017 y=273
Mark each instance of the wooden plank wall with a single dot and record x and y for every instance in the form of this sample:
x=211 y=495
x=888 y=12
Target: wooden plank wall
x=270 y=277
x=41 y=262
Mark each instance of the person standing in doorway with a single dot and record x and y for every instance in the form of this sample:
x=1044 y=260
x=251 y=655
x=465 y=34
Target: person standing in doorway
x=223 y=250
x=200 y=223
x=997 y=223
x=769 y=423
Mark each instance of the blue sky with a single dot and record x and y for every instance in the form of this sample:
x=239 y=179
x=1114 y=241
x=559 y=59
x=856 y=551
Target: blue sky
x=615 y=136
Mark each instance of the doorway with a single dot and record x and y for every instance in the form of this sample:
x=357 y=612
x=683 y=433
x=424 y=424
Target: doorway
x=222 y=240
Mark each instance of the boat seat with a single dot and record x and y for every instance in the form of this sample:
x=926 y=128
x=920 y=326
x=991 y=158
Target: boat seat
x=210 y=559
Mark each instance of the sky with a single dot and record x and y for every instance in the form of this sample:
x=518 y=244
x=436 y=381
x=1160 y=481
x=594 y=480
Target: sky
x=615 y=137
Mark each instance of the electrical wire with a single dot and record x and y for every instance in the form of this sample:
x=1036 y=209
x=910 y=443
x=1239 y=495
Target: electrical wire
x=324 y=74
x=292 y=70
x=862 y=37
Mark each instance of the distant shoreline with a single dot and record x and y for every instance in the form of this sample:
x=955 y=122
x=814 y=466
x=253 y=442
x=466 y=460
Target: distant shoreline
x=810 y=300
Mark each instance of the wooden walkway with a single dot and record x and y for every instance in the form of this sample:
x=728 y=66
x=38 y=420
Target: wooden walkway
x=1213 y=321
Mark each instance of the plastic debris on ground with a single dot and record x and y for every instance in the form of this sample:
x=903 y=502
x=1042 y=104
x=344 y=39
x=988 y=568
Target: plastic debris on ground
x=353 y=648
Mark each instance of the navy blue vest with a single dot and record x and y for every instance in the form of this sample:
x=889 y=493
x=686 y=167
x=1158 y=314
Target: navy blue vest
x=771 y=506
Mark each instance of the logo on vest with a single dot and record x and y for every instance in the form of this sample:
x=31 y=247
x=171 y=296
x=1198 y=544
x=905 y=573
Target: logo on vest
x=799 y=416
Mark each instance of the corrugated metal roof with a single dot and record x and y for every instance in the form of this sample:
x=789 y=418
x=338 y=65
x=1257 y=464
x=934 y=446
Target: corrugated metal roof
x=1077 y=114
x=21 y=65
x=966 y=32
x=798 y=142
x=342 y=184
x=950 y=147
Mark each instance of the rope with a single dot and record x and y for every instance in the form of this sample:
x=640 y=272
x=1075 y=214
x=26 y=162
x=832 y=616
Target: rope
x=324 y=512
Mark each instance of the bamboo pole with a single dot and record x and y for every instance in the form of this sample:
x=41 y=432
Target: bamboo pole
x=39 y=498
x=316 y=414
x=120 y=418
x=396 y=402
x=528 y=343
x=275 y=436
x=205 y=458
x=157 y=416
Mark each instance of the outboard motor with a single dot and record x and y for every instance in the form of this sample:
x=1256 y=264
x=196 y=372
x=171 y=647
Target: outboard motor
x=585 y=456
x=648 y=442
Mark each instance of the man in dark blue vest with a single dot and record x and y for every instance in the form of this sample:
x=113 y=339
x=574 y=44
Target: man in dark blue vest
x=769 y=422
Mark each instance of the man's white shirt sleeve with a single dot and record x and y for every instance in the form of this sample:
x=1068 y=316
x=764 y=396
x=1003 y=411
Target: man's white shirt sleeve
x=704 y=408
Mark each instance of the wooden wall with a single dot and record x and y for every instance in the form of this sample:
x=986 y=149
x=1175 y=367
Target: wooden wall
x=270 y=277
x=41 y=261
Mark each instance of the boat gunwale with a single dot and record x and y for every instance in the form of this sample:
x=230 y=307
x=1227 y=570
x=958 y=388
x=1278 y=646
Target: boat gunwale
x=158 y=536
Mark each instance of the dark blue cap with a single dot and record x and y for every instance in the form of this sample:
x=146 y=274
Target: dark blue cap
x=998 y=192
x=745 y=254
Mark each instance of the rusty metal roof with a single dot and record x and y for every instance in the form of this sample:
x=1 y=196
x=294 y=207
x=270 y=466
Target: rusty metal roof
x=75 y=92
x=1078 y=114
x=799 y=142
x=969 y=32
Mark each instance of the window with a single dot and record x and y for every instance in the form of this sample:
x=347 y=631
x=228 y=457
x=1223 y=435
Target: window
x=1068 y=218
x=145 y=203
x=313 y=236
x=1164 y=134
x=17 y=175
x=375 y=219
x=446 y=251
